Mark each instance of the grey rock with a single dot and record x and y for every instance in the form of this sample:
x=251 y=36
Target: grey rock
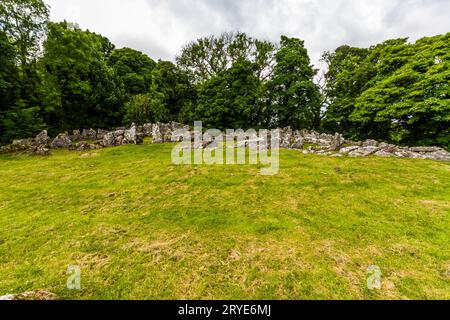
x=348 y=149
x=118 y=140
x=336 y=142
x=101 y=134
x=90 y=134
x=21 y=145
x=61 y=141
x=441 y=155
x=108 y=139
x=40 y=151
x=130 y=135
x=384 y=153
x=85 y=146
x=119 y=133
x=76 y=135
x=426 y=149
x=32 y=295
x=157 y=135
x=363 y=151
x=42 y=138
x=286 y=138
x=147 y=129
x=370 y=143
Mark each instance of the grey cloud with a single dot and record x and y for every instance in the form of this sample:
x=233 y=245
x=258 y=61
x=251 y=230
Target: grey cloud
x=161 y=27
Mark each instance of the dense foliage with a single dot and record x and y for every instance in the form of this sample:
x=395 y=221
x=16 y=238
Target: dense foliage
x=394 y=91
x=59 y=77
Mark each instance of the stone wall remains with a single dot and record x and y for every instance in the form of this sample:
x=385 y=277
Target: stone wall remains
x=309 y=142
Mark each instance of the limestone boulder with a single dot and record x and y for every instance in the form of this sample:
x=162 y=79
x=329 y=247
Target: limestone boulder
x=61 y=141
x=40 y=151
x=108 y=139
x=90 y=134
x=42 y=138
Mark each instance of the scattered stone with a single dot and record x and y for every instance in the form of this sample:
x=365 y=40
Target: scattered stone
x=147 y=129
x=130 y=136
x=84 y=146
x=32 y=295
x=363 y=151
x=425 y=149
x=89 y=155
x=286 y=138
x=76 y=135
x=336 y=142
x=324 y=144
x=297 y=140
x=157 y=136
x=108 y=139
x=348 y=149
x=90 y=134
x=384 y=153
x=61 y=141
x=40 y=151
x=370 y=143
x=101 y=134
x=42 y=138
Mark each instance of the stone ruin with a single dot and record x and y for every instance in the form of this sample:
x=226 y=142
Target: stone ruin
x=309 y=142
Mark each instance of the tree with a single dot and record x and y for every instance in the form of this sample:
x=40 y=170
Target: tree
x=211 y=55
x=348 y=74
x=25 y=22
x=175 y=86
x=411 y=92
x=81 y=90
x=8 y=80
x=146 y=108
x=394 y=91
x=294 y=99
x=8 y=73
x=134 y=68
x=230 y=99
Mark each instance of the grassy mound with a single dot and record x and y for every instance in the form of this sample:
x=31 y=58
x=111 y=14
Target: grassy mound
x=140 y=227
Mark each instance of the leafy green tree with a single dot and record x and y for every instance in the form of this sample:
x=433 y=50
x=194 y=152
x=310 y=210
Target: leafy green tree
x=25 y=22
x=347 y=76
x=20 y=122
x=8 y=73
x=81 y=90
x=8 y=80
x=22 y=28
x=231 y=99
x=395 y=91
x=294 y=98
x=208 y=56
x=175 y=86
x=411 y=92
x=134 y=68
x=146 y=108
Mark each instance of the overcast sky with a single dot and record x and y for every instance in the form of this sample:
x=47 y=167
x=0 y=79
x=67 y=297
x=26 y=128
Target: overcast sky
x=160 y=27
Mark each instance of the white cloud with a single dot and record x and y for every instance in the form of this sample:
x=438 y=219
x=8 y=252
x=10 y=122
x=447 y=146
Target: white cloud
x=160 y=27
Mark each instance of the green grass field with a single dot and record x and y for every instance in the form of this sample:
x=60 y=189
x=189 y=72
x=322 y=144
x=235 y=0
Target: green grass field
x=140 y=227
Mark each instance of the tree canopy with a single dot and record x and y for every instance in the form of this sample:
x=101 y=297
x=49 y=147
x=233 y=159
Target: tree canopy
x=396 y=91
